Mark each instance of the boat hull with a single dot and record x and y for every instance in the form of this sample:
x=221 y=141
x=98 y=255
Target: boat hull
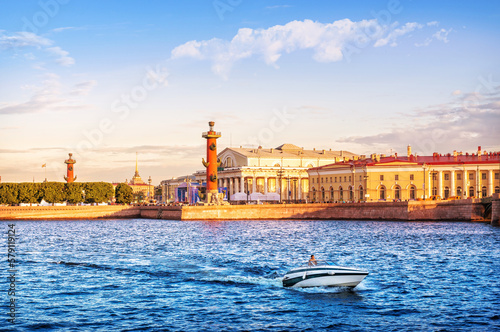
x=324 y=276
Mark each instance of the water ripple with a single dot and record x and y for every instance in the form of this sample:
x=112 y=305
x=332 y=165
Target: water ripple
x=151 y=275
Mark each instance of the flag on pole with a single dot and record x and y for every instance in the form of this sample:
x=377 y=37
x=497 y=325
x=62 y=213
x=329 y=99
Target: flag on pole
x=44 y=165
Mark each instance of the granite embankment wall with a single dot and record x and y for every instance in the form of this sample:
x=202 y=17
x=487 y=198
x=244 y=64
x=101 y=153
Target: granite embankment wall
x=459 y=210
x=68 y=212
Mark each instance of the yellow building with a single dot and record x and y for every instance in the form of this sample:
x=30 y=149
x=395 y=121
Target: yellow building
x=138 y=185
x=280 y=173
x=381 y=178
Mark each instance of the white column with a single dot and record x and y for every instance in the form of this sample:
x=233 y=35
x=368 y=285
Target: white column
x=429 y=190
x=452 y=189
x=265 y=185
x=299 y=188
x=254 y=184
x=465 y=189
x=242 y=184
x=490 y=182
x=440 y=184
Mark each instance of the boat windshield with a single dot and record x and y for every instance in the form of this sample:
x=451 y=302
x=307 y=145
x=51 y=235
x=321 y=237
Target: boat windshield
x=317 y=262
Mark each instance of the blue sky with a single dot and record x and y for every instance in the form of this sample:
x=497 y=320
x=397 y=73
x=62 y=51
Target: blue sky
x=107 y=79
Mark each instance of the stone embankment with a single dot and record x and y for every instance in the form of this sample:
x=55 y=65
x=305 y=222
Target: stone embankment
x=458 y=210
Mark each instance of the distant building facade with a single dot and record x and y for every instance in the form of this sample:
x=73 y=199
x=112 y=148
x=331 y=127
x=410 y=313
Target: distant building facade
x=138 y=185
x=411 y=177
x=281 y=170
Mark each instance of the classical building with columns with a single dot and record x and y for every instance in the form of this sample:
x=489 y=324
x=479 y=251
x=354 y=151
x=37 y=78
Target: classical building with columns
x=410 y=177
x=281 y=171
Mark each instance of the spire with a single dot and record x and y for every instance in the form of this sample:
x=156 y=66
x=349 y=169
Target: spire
x=136 y=168
x=136 y=179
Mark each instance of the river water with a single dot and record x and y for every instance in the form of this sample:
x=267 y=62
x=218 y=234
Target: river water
x=154 y=275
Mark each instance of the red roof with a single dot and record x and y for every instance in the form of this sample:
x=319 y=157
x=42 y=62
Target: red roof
x=435 y=159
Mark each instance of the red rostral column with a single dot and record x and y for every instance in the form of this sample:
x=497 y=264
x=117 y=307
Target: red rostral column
x=212 y=162
x=70 y=162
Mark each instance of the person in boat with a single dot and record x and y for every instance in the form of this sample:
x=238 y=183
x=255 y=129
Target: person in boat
x=313 y=261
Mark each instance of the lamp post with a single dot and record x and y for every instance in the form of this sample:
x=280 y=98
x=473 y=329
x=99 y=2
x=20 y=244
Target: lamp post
x=280 y=175
x=149 y=190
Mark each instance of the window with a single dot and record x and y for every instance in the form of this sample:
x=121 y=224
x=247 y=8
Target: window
x=330 y=179
x=314 y=194
x=381 y=178
x=483 y=176
x=484 y=193
x=447 y=176
x=434 y=176
x=341 y=194
x=497 y=176
x=321 y=180
x=471 y=176
x=335 y=179
x=322 y=194
x=471 y=192
x=412 y=177
x=345 y=178
x=446 y=192
x=459 y=191
x=396 y=177
x=397 y=192
x=349 y=178
x=434 y=191
x=459 y=176
x=412 y=192
x=361 y=196
x=360 y=178
x=382 y=192
x=331 y=194
x=497 y=190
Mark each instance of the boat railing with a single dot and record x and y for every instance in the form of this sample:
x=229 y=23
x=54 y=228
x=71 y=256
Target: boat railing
x=316 y=263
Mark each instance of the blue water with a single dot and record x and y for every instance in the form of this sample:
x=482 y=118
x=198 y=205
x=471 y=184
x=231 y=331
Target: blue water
x=150 y=275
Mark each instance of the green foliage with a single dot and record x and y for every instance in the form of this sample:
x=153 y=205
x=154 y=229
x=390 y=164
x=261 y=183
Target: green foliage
x=98 y=192
x=28 y=192
x=57 y=192
x=52 y=192
x=123 y=194
x=8 y=193
x=74 y=192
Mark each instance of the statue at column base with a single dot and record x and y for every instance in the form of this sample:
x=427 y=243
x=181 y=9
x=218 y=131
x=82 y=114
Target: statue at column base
x=213 y=197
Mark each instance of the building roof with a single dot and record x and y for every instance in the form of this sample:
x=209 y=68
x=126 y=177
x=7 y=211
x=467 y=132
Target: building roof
x=436 y=159
x=288 y=150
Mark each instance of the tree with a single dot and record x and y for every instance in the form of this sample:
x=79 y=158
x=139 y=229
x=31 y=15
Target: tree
x=28 y=192
x=98 y=192
x=52 y=192
x=73 y=192
x=123 y=194
x=8 y=193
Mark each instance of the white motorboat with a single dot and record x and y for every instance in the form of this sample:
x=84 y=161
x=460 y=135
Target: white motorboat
x=323 y=274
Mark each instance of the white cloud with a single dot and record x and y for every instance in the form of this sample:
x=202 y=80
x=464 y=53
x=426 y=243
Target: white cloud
x=24 y=39
x=396 y=33
x=441 y=35
x=48 y=96
x=63 y=59
x=83 y=88
x=443 y=128
x=329 y=42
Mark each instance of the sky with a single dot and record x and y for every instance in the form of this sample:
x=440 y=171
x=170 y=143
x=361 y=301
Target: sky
x=112 y=80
